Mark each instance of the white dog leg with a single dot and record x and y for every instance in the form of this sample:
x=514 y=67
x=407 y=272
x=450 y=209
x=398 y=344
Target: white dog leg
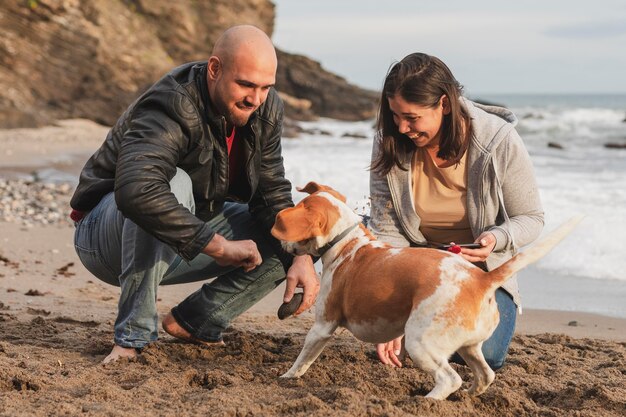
x=446 y=379
x=314 y=343
x=483 y=374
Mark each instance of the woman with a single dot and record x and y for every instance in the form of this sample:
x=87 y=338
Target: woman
x=445 y=169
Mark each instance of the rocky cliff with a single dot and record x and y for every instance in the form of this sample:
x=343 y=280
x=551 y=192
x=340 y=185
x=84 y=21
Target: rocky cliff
x=91 y=58
x=321 y=92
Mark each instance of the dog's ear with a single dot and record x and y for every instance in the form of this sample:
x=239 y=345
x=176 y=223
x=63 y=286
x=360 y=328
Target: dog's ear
x=294 y=225
x=313 y=187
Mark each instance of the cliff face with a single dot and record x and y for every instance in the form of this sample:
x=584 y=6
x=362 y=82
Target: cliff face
x=321 y=92
x=91 y=58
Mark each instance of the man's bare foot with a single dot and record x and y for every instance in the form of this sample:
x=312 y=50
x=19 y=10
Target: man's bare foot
x=119 y=352
x=171 y=326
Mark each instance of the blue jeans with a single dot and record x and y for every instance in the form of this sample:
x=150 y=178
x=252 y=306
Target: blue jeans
x=496 y=347
x=117 y=251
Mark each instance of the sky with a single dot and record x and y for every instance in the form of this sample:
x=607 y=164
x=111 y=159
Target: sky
x=531 y=46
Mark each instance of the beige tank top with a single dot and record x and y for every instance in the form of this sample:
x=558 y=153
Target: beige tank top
x=440 y=199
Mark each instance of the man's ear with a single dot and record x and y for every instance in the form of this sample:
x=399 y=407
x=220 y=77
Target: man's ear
x=214 y=68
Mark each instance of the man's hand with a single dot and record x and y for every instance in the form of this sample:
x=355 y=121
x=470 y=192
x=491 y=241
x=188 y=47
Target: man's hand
x=243 y=253
x=302 y=274
x=488 y=241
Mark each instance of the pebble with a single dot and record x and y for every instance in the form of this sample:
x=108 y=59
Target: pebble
x=32 y=203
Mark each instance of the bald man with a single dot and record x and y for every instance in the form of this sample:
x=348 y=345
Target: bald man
x=185 y=188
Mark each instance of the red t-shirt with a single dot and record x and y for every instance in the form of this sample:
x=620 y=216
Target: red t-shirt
x=236 y=169
x=229 y=141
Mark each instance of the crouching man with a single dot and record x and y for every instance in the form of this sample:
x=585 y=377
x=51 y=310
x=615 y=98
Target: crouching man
x=186 y=187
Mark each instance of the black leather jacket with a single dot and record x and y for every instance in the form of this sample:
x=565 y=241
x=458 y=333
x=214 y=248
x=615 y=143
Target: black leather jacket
x=173 y=125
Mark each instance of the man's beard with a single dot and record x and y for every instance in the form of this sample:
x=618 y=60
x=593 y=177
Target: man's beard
x=237 y=120
x=233 y=119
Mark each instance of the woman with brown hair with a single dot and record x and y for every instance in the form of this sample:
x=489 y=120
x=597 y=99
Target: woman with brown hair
x=445 y=169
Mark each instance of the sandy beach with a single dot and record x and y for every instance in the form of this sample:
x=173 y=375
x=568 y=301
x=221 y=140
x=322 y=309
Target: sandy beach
x=56 y=326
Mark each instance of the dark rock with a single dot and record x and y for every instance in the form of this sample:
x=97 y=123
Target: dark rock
x=354 y=135
x=317 y=132
x=329 y=95
x=555 y=145
x=613 y=145
x=291 y=129
x=537 y=116
x=297 y=108
x=573 y=323
x=287 y=309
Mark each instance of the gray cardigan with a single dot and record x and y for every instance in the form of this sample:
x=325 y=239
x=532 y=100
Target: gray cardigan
x=502 y=194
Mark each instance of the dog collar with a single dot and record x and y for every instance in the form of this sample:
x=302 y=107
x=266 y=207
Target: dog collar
x=336 y=240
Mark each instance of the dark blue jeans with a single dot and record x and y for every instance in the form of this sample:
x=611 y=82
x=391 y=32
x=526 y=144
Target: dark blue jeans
x=496 y=347
x=119 y=252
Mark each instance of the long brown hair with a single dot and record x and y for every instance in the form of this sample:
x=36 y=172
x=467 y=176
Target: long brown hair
x=421 y=79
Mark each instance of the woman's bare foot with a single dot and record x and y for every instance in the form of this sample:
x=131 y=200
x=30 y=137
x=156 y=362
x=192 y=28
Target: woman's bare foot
x=119 y=352
x=171 y=326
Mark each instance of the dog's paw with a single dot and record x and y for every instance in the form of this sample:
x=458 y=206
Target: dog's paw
x=287 y=309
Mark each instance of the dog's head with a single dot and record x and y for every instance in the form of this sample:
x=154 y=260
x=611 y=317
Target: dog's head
x=314 y=221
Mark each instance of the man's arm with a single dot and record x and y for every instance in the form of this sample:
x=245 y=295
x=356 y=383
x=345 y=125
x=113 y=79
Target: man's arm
x=243 y=253
x=302 y=274
x=149 y=153
x=273 y=192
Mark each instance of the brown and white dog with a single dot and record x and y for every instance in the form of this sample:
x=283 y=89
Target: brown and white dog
x=438 y=300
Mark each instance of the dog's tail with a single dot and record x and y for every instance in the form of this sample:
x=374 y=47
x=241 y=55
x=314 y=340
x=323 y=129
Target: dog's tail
x=533 y=253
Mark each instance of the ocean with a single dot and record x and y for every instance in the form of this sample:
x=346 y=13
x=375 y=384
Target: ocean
x=587 y=271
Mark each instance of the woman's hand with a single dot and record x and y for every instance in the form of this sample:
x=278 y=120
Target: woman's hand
x=389 y=352
x=487 y=241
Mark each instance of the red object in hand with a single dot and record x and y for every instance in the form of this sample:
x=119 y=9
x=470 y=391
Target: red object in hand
x=454 y=249
x=76 y=215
